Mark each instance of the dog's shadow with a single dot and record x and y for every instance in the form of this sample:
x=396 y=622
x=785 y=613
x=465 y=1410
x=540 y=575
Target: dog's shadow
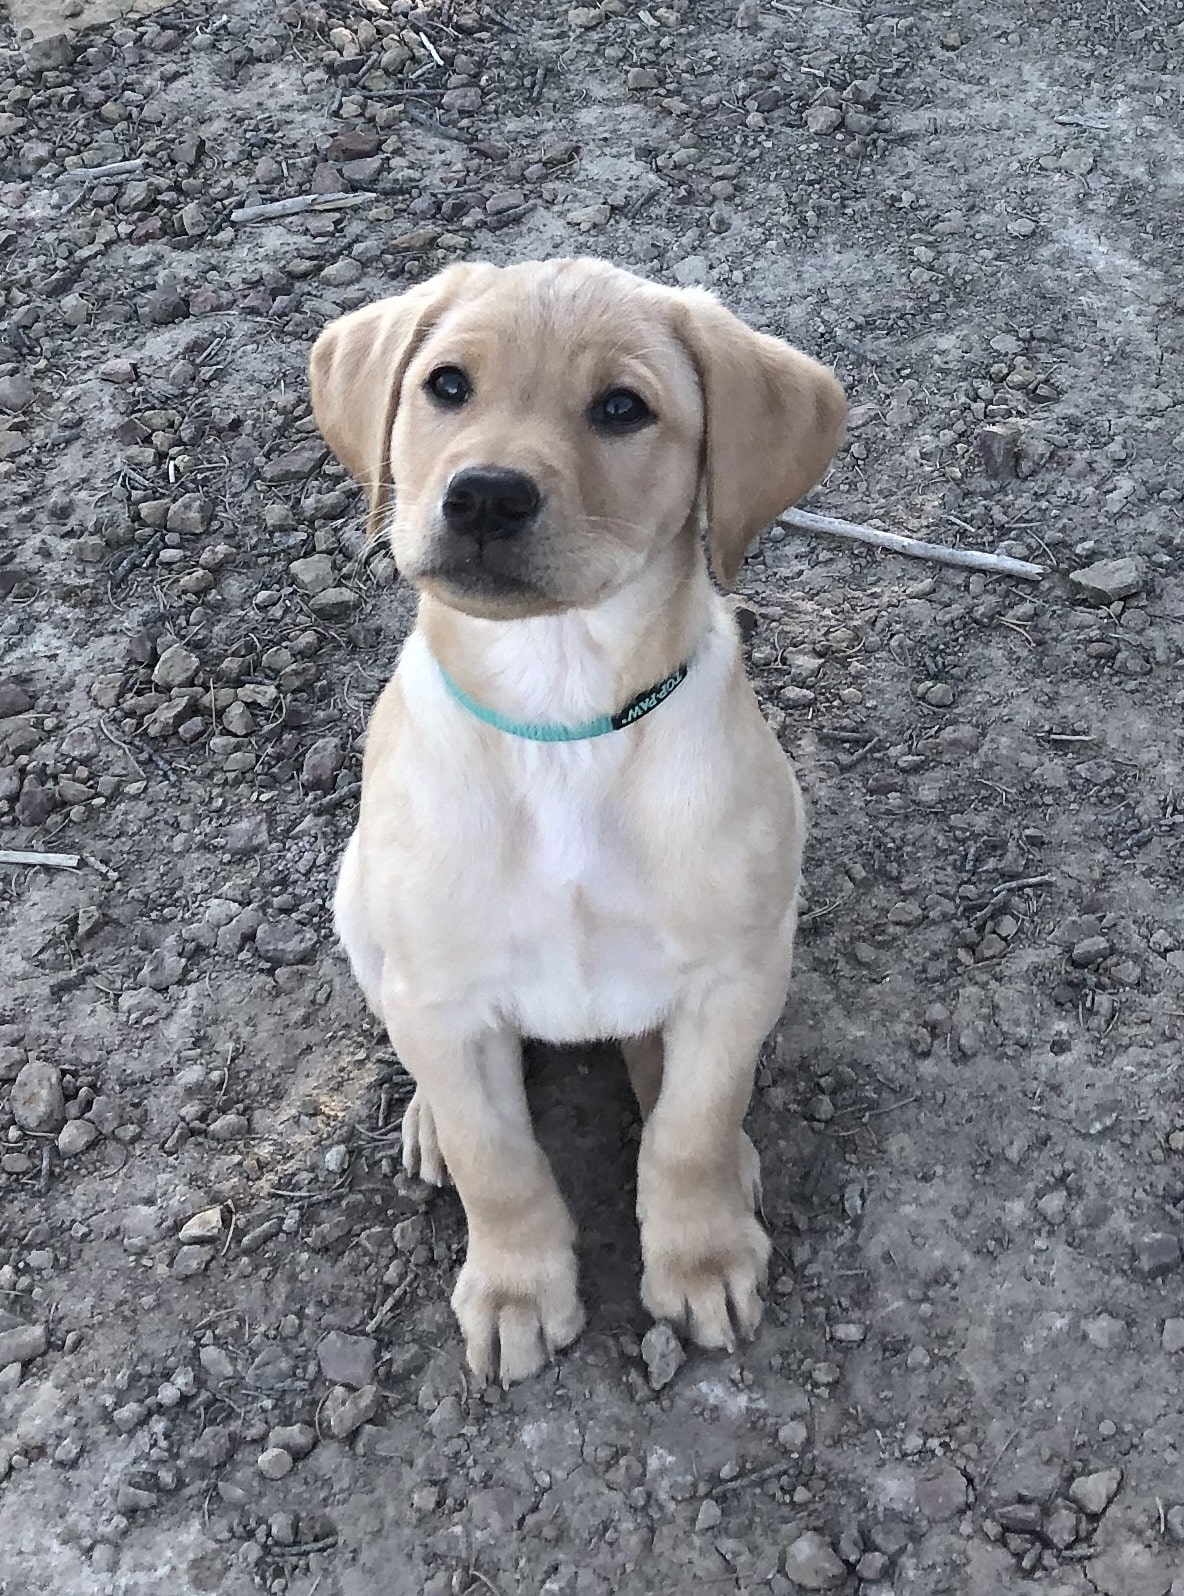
x=587 y=1123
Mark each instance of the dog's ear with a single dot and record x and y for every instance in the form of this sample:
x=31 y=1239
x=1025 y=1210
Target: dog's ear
x=773 y=419
x=356 y=373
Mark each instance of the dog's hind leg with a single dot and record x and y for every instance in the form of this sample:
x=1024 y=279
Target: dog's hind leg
x=359 y=942
x=643 y=1060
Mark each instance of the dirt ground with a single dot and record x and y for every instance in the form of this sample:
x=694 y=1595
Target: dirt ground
x=227 y=1362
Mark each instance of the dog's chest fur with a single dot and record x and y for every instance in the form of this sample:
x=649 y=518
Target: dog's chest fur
x=584 y=952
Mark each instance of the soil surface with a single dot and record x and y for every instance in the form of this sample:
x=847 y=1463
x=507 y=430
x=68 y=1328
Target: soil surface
x=227 y=1361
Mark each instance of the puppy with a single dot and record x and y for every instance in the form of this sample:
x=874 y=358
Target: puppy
x=575 y=823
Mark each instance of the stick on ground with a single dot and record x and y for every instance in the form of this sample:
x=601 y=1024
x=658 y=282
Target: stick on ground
x=968 y=559
x=51 y=861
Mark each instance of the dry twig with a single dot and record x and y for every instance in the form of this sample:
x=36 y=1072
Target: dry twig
x=968 y=559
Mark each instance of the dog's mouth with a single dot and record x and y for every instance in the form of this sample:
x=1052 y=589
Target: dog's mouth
x=468 y=582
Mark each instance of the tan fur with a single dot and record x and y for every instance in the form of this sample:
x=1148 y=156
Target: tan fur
x=640 y=885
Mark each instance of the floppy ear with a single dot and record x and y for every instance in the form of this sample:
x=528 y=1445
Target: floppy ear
x=773 y=419
x=356 y=372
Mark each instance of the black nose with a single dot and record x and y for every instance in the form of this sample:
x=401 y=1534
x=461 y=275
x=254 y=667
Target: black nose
x=486 y=502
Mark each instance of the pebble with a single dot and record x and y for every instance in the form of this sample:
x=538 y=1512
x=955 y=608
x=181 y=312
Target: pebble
x=190 y=514
x=334 y=604
x=347 y=1360
x=345 y=1411
x=246 y=836
x=1174 y=1523
x=1093 y=1493
x=22 y=1343
x=1158 y=1254
x=823 y=118
x=13 y=700
x=274 y=1463
x=133 y=1499
x=709 y=1516
x=75 y=1136
x=793 y=1436
x=16 y=393
x=192 y=1261
x=321 y=764
x=1060 y=1525
x=163 y=968
x=285 y=942
x=129 y=1417
x=296 y=1439
x=662 y=1354
x=314 y=574
x=1173 y=1335
x=36 y=1099
x=203 y=1226
x=941 y=1493
x=176 y=667
x=216 y=1363
x=1107 y=581
x=811 y=1564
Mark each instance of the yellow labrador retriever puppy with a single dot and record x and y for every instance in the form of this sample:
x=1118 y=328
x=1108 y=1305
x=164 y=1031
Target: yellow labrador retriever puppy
x=575 y=823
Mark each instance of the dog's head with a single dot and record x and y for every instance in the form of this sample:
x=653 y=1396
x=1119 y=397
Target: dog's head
x=541 y=431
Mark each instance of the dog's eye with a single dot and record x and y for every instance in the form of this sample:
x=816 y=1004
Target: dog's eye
x=620 y=410
x=449 y=385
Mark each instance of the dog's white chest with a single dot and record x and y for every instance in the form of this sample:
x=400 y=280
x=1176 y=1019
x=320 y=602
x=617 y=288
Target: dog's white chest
x=583 y=954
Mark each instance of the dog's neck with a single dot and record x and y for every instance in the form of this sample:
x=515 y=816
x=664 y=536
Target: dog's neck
x=584 y=662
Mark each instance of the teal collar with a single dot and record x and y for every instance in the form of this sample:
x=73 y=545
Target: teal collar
x=546 y=731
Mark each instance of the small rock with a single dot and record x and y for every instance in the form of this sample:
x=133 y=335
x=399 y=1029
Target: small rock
x=51 y=53
x=1172 y=1339
x=447 y=1420
x=285 y=942
x=872 y=1566
x=129 y=1417
x=1060 y=1526
x=345 y=1410
x=296 y=1439
x=295 y=465
x=192 y=1261
x=16 y=393
x=75 y=1136
x=941 y=1493
x=347 y=1360
x=823 y=118
x=662 y=1354
x=133 y=1499
x=238 y=720
x=708 y=1517
x=997 y=451
x=321 y=764
x=246 y=836
x=13 y=700
x=1089 y=951
x=313 y=574
x=639 y=78
x=176 y=667
x=204 y=1226
x=1020 y=1518
x=1158 y=1254
x=334 y=604
x=190 y=514
x=163 y=968
x=22 y=1343
x=811 y=1564
x=793 y=1436
x=1174 y=1523
x=275 y=1463
x=363 y=174
x=36 y=1099
x=1093 y=1493
x=216 y=1363
x=1107 y=581
x=228 y=1128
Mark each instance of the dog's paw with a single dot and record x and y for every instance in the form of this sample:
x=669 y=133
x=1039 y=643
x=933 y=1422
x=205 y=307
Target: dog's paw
x=422 y=1158
x=516 y=1309
x=705 y=1257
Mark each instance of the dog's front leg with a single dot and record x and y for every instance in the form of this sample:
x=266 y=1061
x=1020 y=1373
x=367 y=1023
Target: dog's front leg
x=516 y=1297
x=704 y=1253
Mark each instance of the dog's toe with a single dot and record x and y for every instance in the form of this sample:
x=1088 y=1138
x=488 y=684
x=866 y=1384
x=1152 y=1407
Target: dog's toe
x=422 y=1157
x=516 y=1312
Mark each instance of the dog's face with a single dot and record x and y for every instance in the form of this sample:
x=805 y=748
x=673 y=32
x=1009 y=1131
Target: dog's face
x=548 y=428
